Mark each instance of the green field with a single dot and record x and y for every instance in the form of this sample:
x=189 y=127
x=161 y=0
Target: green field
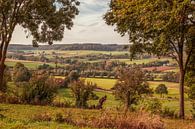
x=21 y=116
x=103 y=83
x=30 y=64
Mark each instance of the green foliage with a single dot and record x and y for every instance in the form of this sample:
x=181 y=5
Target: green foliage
x=40 y=90
x=191 y=92
x=82 y=92
x=73 y=76
x=6 y=78
x=170 y=77
x=44 y=66
x=167 y=112
x=156 y=30
x=193 y=110
x=45 y=19
x=21 y=73
x=130 y=86
x=160 y=27
x=59 y=118
x=161 y=89
x=154 y=106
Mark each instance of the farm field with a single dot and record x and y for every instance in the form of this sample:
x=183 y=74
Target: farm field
x=128 y=61
x=28 y=64
x=103 y=83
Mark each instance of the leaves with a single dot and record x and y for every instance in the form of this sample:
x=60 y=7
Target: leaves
x=46 y=20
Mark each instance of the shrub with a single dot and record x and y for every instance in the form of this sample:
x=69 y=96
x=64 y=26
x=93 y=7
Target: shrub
x=167 y=112
x=67 y=119
x=161 y=89
x=21 y=73
x=6 y=78
x=129 y=121
x=154 y=106
x=193 y=110
x=12 y=99
x=171 y=77
x=191 y=92
x=59 y=118
x=130 y=86
x=66 y=104
x=2 y=116
x=40 y=90
x=3 y=97
x=82 y=92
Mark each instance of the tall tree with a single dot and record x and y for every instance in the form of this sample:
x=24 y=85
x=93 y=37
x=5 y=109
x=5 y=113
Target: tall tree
x=161 y=27
x=44 y=20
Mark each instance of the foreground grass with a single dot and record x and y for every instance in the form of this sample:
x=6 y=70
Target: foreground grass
x=21 y=117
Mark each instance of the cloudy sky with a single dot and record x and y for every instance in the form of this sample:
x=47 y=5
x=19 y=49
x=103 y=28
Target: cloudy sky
x=89 y=27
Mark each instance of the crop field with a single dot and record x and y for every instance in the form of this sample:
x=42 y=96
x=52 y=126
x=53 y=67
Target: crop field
x=103 y=83
x=28 y=64
x=128 y=61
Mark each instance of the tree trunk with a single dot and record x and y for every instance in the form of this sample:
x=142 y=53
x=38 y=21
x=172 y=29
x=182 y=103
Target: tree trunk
x=2 y=68
x=127 y=102
x=181 y=112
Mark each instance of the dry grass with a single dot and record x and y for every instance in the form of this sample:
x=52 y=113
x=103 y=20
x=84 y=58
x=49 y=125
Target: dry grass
x=179 y=124
x=140 y=120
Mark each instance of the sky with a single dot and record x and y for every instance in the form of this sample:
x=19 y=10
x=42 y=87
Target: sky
x=89 y=27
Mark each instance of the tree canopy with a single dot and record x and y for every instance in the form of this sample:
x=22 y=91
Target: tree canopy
x=160 y=27
x=130 y=86
x=44 y=20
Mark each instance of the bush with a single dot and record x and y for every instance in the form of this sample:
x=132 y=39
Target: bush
x=129 y=121
x=66 y=104
x=82 y=92
x=13 y=100
x=131 y=86
x=59 y=118
x=154 y=106
x=167 y=112
x=161 y=89
x=191 y=92
x=40 y=90
x=67 y=119
x=193 y=110
x=21 y=73
x=171 y=77
x=2 y=116
x=3 y=97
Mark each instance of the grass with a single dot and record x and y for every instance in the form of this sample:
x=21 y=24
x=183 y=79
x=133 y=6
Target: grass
x=29 y=64
x=65 y=94
x=103 y=83
x=20 y=117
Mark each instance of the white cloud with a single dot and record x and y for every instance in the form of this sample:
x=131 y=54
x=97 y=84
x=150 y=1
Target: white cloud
x=89 y=26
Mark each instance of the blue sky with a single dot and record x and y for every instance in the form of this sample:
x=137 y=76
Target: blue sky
x=89 y=27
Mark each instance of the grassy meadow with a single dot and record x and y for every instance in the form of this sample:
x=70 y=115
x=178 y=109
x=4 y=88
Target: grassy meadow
x=16 y=116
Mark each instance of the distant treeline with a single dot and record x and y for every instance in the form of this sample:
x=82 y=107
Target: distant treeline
x=91 y=46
